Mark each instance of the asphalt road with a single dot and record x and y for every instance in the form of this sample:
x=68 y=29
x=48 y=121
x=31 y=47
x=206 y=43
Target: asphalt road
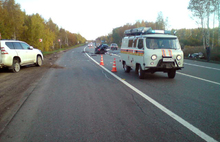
x=81 y=101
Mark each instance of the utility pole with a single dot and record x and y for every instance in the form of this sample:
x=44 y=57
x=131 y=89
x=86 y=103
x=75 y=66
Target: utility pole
x=66 y=40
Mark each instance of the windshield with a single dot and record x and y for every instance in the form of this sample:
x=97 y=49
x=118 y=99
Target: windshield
x=162 y=43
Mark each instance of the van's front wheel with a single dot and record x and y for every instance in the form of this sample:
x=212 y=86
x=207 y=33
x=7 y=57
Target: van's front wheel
x=171 y=73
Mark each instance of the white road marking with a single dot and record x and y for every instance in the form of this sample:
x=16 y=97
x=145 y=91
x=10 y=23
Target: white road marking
x=199 y=78
x=161 y=107
x=202 y=66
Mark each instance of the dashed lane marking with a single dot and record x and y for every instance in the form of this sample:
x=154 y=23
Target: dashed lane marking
x=202 y=66
x=199 y=78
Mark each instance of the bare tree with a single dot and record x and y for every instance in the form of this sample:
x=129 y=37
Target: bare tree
x=160 y=24
x=198 y=8
x=202 y=9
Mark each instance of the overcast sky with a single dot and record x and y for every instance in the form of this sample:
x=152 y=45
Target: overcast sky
x=94 y=18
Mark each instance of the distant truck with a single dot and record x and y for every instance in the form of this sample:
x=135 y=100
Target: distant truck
x=147 y=50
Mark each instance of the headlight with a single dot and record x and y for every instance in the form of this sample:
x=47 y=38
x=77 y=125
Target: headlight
x=153 y=57
x=178 y=57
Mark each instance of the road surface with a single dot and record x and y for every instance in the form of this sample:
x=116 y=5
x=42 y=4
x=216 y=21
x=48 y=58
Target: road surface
x=81 y=101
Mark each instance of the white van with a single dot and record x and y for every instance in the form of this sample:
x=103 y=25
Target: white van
x=15 y=54
x=147 y=50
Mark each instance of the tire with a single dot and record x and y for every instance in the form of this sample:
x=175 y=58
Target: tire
x=16 y=66
x=127 y=69
x=141 y=73
x=136 y=69
x=39 y=61
x=171 y=73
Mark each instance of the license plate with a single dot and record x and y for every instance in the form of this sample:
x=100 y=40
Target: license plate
x=168 y=60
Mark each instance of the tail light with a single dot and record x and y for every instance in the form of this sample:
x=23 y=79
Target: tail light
x=99 y=49
x=3 y=50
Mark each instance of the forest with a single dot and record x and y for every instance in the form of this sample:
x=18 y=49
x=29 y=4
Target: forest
x=193 y=40
x=16 y=24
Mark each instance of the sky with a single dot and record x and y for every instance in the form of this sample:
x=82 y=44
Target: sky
x=95 y=18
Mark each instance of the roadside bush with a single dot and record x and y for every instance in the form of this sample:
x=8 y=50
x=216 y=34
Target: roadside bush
x=215 y=52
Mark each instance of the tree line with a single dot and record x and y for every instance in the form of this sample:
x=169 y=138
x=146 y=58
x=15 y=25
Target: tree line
x=16 y=24
x=203 y=11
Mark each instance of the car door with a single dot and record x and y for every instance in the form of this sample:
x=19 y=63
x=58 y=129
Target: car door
x=30 y=54
x=140 y=51
x=20 y=51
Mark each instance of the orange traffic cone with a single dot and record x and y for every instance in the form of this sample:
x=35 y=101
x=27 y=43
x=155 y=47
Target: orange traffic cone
x=102 y=63
x=114 y=66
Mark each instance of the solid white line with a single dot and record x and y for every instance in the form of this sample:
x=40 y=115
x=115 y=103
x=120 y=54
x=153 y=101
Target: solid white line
x=161 y=107
x=199 y=78
x=202 y=66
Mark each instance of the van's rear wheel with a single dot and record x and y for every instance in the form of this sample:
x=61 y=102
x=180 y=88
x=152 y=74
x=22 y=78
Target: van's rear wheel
x=171 y=73
x=16 y=66
x=141 y=72
x=126 y=68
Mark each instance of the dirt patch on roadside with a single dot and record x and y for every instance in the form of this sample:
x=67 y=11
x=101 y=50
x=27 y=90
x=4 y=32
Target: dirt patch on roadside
x=13 y=86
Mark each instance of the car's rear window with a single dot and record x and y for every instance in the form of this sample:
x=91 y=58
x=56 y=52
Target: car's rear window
x=10 y=45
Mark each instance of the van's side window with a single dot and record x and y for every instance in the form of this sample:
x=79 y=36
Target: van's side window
x=130 y=43
x=135 y=42
x=140 y=43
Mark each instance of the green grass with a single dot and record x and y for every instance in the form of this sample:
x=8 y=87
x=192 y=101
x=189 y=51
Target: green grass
x=62 y=49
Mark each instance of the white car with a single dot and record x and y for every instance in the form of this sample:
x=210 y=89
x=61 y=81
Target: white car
x=15 y=54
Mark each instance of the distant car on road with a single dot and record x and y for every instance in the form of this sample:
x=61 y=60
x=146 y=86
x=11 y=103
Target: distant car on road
x=114 y=46
x=90 y=45
x=101 y=49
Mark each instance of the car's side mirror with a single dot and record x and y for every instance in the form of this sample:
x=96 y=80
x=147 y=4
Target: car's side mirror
x=31 y=48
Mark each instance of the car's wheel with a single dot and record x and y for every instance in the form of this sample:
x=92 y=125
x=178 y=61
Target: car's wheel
x=126 y=68
x=141 y=73
x=171 y=73
x=39 y=61
x=16 y=66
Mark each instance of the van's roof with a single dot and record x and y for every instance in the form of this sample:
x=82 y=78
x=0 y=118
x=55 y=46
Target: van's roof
x=153 y=35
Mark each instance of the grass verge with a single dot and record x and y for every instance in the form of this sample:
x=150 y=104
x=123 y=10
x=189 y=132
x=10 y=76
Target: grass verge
x=61 y=49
